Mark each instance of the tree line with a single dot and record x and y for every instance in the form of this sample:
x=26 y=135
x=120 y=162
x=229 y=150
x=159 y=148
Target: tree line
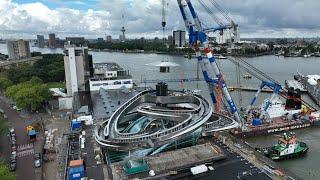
x=26 y=84
x=149 y=46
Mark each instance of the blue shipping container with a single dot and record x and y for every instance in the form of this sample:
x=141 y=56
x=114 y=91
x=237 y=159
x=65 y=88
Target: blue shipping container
x=75 y=125
x=76 y=173
x=256 y=122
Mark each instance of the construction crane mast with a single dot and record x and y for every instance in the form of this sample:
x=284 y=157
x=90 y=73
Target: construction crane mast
x=164 y=20
x=198 y=39
x=164 y=9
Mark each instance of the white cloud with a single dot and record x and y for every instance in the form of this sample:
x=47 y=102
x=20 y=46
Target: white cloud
x=37 y=17
x=259 y=18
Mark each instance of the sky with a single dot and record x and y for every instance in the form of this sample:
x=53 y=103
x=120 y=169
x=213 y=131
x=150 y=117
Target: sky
x=142 y=18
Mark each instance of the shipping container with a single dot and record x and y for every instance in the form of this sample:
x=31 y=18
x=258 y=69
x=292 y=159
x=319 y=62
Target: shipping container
x=75 y=125
x=75 y=163
x=76 y=173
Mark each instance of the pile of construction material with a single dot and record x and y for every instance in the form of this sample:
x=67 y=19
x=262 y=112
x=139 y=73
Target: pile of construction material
x=49 y=145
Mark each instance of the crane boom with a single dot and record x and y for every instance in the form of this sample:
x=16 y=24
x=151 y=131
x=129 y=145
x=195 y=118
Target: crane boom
x=210 y=69
x=164 y=22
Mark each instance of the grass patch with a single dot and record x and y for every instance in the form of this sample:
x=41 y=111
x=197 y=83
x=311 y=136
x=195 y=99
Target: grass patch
x=56 y=85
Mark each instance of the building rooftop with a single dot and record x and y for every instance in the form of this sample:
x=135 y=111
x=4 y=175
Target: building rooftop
x=109 y=71
x=110 y=66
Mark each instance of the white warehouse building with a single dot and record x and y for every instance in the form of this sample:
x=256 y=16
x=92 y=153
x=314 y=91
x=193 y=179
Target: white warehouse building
x=110 y=76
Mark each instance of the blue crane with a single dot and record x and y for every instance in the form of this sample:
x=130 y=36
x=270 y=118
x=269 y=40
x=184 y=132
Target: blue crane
x=198 y=39
x=277 y=89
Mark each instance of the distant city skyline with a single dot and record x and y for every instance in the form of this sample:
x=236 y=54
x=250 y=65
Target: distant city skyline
x=142 y=18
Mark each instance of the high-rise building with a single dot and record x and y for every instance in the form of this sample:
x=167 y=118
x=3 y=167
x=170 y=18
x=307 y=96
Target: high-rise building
x=18 y=49
x=40 y=41
x=121 y=38
x=170 y=39
x=123 y=30
x=179 y=38
x=13 y=51
x=52 y=40
x=109 y=38
x=76 y=66
x=24 y=49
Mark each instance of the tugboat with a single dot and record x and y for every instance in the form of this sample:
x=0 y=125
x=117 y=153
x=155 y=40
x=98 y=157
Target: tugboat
x=288 y=147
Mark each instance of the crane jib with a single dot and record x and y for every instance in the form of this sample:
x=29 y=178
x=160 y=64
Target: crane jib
x=197 y=38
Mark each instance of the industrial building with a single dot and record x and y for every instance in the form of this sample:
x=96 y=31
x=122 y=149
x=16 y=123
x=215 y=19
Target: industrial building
x=179 y=38
x=40 y=41
x=76 y=63
x=18 y=49
x=52 y=41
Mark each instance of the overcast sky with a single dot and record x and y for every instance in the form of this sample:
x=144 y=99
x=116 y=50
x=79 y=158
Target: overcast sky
x=95 y=18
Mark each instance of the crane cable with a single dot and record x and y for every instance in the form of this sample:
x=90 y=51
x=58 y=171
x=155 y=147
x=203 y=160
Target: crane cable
x=209 y=11
x=222 y=11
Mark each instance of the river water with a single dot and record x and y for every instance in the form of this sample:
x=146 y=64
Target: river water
x=278 y=68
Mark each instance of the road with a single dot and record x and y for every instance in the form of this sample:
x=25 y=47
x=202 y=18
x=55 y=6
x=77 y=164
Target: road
x=25 y=152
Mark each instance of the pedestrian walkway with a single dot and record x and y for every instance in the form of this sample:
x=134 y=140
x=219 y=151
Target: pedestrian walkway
x=25 y=146
x=25 y=150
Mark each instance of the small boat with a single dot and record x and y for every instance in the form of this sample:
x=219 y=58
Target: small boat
x=288 y=147
x=247 y=76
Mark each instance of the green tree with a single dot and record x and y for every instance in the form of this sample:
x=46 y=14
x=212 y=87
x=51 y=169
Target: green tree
x=21 y=73
x=5 y=174
x=3 y=125
x=50 y=68
x=4 y=83
x=30 y=95
x=35 y=80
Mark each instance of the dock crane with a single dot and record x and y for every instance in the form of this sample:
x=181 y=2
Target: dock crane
x=164 y=9
x=198 y=39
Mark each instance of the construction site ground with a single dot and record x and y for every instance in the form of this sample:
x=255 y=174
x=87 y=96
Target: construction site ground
x=54 y=169
x=165 y=162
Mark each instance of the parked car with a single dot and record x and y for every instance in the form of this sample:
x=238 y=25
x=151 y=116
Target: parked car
x=13 y=148
x=12 y=132
x=13 y=155
x=13 y=141
x=37 y=160
x=13 y=165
